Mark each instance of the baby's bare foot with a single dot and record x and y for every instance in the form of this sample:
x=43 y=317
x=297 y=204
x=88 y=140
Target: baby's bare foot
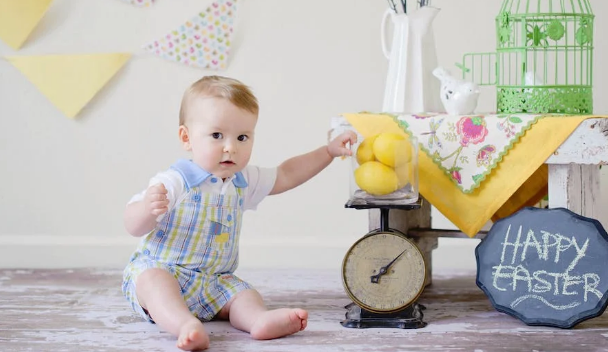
x=278 y=323
x=192 y=337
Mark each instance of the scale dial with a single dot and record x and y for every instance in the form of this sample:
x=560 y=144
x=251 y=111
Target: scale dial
x=383 y=272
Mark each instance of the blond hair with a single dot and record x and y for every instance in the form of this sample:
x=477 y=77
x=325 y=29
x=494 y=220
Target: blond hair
x=219 y=87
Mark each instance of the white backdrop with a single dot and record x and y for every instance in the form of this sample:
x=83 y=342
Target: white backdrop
x=65 y=182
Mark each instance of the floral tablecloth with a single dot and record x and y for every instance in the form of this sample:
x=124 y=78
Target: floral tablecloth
x=467 y=148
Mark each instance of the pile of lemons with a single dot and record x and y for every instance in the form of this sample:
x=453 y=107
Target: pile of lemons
x=384 y=163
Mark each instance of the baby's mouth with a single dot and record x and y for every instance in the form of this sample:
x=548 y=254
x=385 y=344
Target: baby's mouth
x=227 y=162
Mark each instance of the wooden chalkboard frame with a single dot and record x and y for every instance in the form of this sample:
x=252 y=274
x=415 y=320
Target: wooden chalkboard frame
x=545 y=321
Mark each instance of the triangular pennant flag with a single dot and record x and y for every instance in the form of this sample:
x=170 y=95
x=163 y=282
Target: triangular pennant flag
x=140 y=3
x=18 y=18
x=70 y=81
x=203 y=41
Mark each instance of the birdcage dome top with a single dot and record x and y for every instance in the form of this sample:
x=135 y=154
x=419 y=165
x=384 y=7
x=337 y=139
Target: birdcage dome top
x=554 y=7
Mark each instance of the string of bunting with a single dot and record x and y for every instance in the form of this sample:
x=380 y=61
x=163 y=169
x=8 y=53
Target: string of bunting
x=140 y=3
x=71 y=81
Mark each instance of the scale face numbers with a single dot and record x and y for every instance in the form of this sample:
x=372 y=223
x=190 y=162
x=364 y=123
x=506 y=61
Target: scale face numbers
x=383 y=272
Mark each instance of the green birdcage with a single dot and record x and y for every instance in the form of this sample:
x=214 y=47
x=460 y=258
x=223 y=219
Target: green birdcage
x=544 y=58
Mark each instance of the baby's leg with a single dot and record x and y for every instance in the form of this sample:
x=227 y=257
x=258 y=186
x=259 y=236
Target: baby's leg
x=247 y=312
x=159 y=293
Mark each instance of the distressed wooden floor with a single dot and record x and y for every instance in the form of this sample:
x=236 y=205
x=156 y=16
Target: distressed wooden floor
x=83 y=310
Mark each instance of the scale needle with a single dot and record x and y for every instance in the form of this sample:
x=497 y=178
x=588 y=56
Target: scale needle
x=384 y=269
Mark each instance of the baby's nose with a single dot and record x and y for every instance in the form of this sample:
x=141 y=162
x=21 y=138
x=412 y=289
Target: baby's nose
x=230 y=148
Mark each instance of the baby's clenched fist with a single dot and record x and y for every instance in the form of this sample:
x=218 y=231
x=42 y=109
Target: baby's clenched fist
x=156 y=200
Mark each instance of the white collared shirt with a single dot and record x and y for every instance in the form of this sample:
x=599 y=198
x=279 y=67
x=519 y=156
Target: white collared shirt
x=259 y=183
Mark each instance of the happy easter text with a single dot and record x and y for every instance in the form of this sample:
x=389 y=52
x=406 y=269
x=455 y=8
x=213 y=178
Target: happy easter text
x=513 y=275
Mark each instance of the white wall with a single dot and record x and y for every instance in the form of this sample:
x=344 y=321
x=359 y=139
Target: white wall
x=65 y=182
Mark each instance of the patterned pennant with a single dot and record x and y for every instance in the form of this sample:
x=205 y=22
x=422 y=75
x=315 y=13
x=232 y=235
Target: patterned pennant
x=140 y=3
x=203 y=41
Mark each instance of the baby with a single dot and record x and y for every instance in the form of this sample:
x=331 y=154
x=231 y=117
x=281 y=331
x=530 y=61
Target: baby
x=189 y=218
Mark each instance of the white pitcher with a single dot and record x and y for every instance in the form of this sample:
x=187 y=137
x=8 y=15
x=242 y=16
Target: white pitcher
x=410 y=84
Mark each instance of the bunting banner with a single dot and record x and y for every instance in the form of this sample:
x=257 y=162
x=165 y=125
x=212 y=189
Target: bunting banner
x=140 y=3
x=18 y=18
x=70 y=81
x=203 y=41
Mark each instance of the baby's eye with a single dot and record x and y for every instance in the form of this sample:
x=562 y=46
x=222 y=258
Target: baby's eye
x=243 y=138
x=216 y=135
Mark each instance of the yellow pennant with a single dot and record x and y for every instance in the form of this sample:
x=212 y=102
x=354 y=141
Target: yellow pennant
x=18 y=18
x=70 y=81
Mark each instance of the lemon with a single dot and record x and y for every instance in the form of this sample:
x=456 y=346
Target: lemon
x=376 y=178
x=365 y=152
x=392 y=149
x=404 y=175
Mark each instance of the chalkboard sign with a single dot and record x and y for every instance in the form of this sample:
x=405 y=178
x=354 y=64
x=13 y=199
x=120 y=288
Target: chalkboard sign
x=545 y=267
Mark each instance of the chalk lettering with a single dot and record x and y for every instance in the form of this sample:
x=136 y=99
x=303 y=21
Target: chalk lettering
x=570 y=281
x=541 y=284
x=580 y=253
x=542 y=299
x=498 y=273
x=522 y=274
x=531 y=241
x=556 y=243
x=546 y=263
x=515 y=245
x=509 y=278
x=549 y=247
x=592 y=280
x=556 y=277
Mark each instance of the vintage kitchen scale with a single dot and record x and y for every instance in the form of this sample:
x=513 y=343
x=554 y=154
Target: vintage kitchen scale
x=384 y=272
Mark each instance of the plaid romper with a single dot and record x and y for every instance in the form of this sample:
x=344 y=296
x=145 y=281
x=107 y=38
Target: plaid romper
x=197 y=241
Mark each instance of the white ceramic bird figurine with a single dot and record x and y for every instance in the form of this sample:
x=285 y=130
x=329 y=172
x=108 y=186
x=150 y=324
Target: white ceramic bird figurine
x=459 y=97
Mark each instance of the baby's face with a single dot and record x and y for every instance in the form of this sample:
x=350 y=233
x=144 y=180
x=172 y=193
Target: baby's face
x=220 y=135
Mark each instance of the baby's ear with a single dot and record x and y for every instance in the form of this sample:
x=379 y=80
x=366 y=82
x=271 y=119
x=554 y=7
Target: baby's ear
x=184 y=137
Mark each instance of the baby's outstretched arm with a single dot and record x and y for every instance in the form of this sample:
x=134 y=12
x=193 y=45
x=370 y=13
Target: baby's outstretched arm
x=297 y=170
x=140 y=217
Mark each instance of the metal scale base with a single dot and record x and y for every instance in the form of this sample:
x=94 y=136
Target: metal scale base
x=360 y=318
x=408 y=318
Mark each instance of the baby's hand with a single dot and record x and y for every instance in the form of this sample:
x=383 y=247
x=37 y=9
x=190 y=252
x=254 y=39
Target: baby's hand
x=338 y=147
x=156 y=200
